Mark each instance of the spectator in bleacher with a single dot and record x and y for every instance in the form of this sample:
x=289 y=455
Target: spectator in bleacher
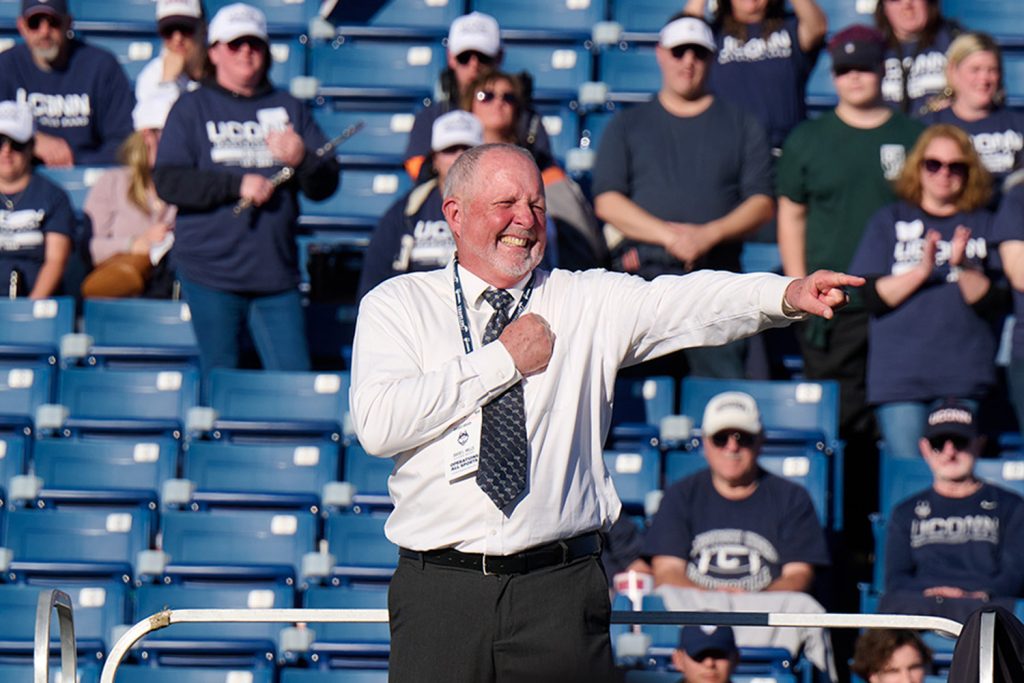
x=181 y=64
x=891 y=656
x=575 y=241
x=132 y=228
x=494 y=415
x=413 y=236
x=79 y=94
x=833 y=175
x=958 y=545
x=765 y=57
x=36 y=220
x=916 y=36
x=735 y=536
x=974 y=100
x=684 y=177
x=706 y=654
x=1008 y=233
x=474 y=47
x=929 y=293
x=222 y=144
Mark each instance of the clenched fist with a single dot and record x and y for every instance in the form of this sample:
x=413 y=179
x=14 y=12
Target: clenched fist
x=529 y=340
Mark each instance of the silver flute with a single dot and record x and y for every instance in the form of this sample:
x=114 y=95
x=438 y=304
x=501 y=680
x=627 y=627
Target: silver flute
x=286 y=173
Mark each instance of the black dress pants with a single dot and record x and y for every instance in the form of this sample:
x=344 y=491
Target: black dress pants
x=454 y=625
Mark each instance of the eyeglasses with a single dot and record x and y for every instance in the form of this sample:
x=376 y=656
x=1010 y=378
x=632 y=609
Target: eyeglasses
x=15 y=145
x=955 y=168
x=938 y=443
x=464 y=57
x=36 y=20
x=254 y=43
x=186 y=30
x=699 y=52
x=508 y=98
x=743 y=439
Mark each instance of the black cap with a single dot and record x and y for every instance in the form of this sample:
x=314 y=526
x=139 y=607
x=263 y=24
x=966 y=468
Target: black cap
x=700 y=641
x=58 y=8
x=952 y=418
x=859 y=47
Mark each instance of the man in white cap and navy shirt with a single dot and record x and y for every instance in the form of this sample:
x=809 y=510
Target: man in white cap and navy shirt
x=413 y=235
x=182 y=60
x=78 y=93
x=735 y=537
x=683 y=178
x=474 y=47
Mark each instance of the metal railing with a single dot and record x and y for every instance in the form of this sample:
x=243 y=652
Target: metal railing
x=48 y=601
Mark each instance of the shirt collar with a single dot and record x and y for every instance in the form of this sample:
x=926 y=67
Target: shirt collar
x=473 y=287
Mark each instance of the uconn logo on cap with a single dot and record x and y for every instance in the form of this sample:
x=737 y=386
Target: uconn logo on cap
x=947 y=415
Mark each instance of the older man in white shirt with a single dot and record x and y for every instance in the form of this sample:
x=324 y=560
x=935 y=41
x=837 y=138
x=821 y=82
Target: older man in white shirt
x=495 y=413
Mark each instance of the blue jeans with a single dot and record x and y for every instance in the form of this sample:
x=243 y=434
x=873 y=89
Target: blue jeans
x=902 y=424
x=275 y=322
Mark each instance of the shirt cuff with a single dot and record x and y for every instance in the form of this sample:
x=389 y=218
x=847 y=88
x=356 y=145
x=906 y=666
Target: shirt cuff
x=773 y=300
x=494 y=367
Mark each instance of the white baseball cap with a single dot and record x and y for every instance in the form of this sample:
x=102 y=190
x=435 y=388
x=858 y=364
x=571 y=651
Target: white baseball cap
x=237 y=21
x=475 y=31
x=731 y=410
x=16 y=121
x=687 y=31
x=152 y=111
x=456 y=128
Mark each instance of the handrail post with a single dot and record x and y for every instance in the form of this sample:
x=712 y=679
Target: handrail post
x=48 y=600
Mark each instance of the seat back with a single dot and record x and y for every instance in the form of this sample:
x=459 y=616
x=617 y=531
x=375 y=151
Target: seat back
x=364 y=195
x=635 y=472
x=349 y=634
x=124 y=396
x=23 y=388
x=34 y=328
x=557 y=69
x=365 y=67
x=358 y=541
x=544 y=17
x=368 y=474
x=630 y=71
x=135 y=673
x=259 y=396
x=106 y=464
x=146 y=324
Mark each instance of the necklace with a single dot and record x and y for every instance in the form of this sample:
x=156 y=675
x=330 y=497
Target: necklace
x=10 y=201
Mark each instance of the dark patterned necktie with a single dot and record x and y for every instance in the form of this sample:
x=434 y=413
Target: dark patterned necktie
x=502 y=471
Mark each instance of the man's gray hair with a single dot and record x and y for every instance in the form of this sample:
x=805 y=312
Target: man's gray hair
x=463 y=171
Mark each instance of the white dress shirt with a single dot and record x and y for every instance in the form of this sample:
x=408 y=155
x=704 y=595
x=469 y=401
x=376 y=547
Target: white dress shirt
x=412 y=381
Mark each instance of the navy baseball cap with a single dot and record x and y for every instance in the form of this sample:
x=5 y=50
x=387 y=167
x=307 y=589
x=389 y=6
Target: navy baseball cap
x=858 y=47
x=58 y=8
x=952 y=418
x=701 y=641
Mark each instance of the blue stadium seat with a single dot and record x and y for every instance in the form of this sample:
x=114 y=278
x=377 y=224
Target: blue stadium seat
x=563 y=128
x=139 y=330
x=98 y=608
x=791 y=411
x=267 y=475
x=636 y=473
x=12 y=461
x=127 y=400
x=369 y=476
x=630 y=71
x=682 y=463
x=384 y=135
x=133 y=52
x=258 y=402
x=363 y=197
x=334 y=676
x=288 y=60
x=360 y=549
x=593 y=126
x=77 y=181
x=284 y=17
x=760 y=257
x=423 y=15
x=33 y=329
x=124 y=15
x=1000 y=18
x=250 y=545
x=106 y=471
x=338 y=642
x=24 y=386
x=643 y=15
x=640 y=404
x=557 y=69
x=256 y=640
x=14 y=672
x=842 y=13
x=9 y=11
x=359 y=67
x=543 y=18
x=1013 y=77
x=133 y=673
x=78 y=542
x=821 y=94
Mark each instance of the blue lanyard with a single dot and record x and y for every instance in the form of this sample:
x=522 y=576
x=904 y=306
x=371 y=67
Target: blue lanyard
x=460 y=307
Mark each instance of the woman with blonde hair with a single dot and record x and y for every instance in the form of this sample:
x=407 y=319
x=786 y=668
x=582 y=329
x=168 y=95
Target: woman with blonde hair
x=974 y=100
x=132 y=227
x=929 y=293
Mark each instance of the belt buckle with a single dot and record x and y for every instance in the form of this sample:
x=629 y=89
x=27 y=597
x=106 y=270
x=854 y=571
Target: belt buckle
x=483 y=564
x=565 y=551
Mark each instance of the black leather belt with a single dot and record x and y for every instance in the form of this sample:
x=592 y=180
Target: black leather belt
x=540 y=557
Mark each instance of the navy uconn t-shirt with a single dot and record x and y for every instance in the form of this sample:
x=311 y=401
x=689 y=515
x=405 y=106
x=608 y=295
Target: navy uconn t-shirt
x=737 y=543
x=40 y=208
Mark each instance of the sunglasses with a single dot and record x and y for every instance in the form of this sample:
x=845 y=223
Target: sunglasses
x=938 y=443
x=464 y=57
x=254 y=43
x=36 y=20
x=15 y=145
x=955 y=168
x=186 y=30
x=743 y=439
x=699 y=52
x=489 y=96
